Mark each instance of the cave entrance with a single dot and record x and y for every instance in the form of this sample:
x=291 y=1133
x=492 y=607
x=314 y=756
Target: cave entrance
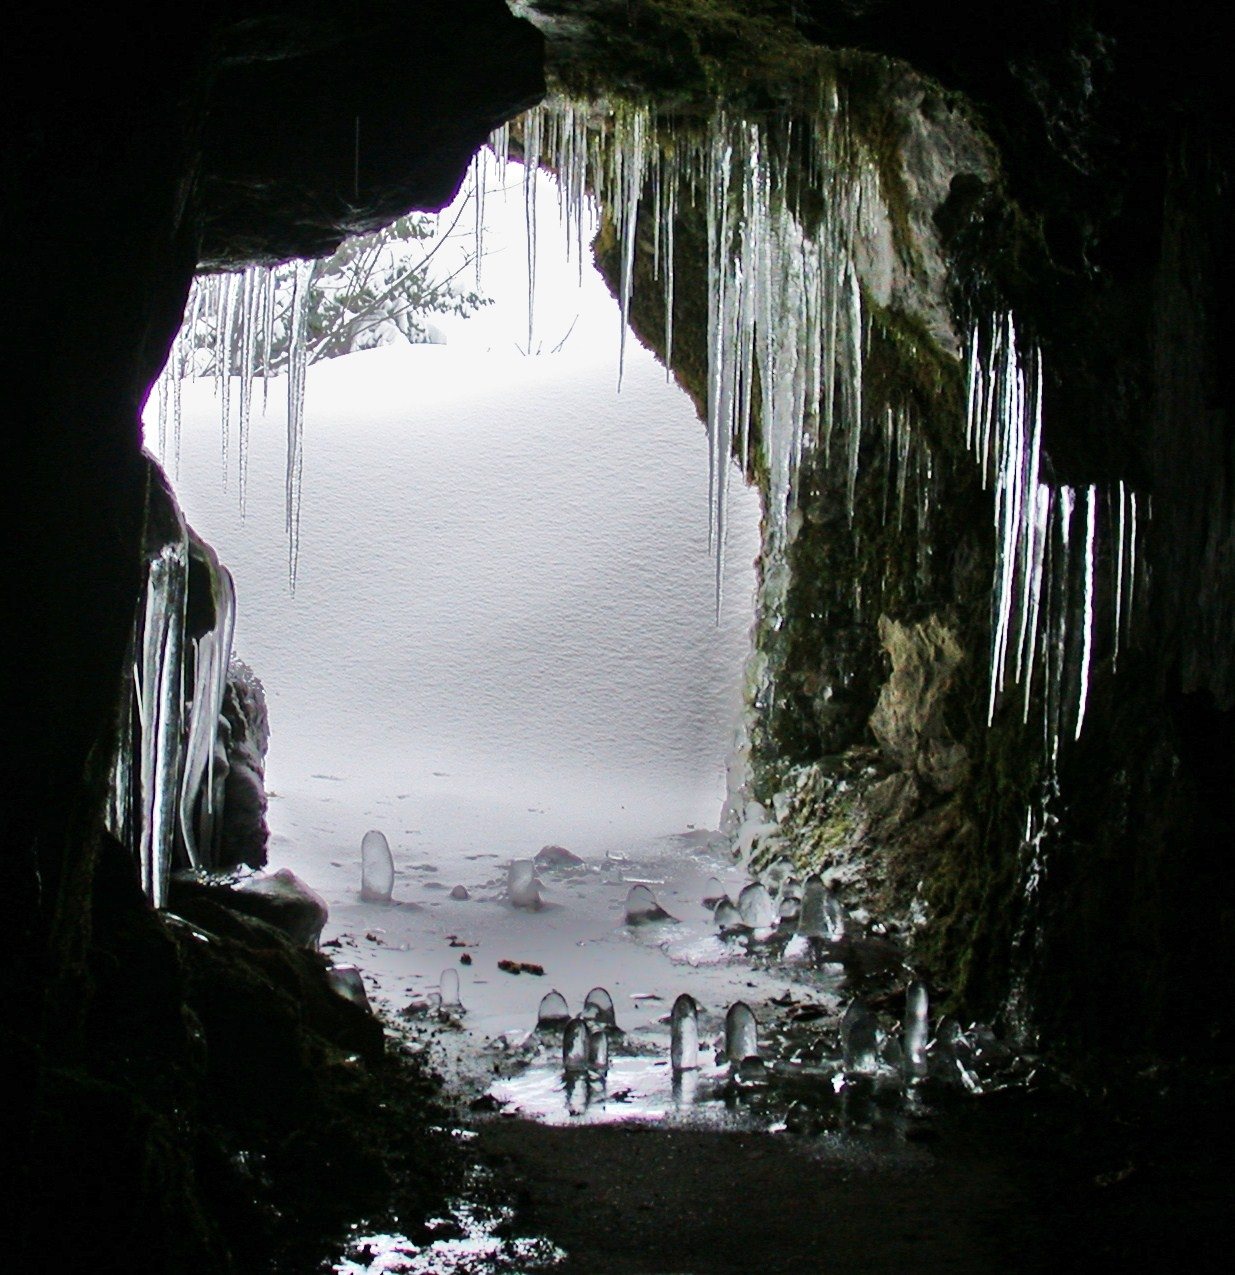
x=504 y=631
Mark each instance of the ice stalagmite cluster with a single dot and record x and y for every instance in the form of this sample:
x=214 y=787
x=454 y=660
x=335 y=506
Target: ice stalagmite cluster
x=1049 y=545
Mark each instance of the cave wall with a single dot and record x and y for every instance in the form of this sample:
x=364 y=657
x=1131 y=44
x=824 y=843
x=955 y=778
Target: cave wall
x=1102 y=225
x=138 y=143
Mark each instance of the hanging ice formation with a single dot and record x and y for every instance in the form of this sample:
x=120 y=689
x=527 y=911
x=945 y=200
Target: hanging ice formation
x=233 y=324
x=785 y=307
x=1051 y=543
x=211 y=654
x=164 y=798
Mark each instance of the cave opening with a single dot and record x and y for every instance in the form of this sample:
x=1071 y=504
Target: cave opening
x=505 y=630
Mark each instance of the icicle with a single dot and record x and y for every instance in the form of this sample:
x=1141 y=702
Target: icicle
x=1091 y=527
x=1120 y=544
x=531 y=167
x=224 y=318
x=158 y=692
x=297 y=365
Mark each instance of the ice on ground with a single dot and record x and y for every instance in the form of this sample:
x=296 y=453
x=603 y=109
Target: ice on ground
x=684 y=1040
x=557 y=857
x=741 y=1033
x=377 y=868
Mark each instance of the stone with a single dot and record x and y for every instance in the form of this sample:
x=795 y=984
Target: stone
x=286 y=902
x=910 y=717
x=556 y=857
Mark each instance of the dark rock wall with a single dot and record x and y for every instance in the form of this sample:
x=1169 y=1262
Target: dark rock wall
x=1105 y=228
x=138 y=141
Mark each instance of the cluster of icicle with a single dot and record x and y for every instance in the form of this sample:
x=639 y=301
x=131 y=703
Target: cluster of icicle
x=1049 y=545
x=786 y=320
x=164 y=790
x=232 y=325
x=785 y=340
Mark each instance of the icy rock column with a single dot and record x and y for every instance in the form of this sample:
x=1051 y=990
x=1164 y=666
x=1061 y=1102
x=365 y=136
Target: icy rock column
x=575 y=1048
x=448 y=987
x=377 y=868
x=143 y=805
x=684 y=1038
x=211 y=659
x=741 y=1033
x=598 y=1007
x=859 y=1039
x=917 y=1011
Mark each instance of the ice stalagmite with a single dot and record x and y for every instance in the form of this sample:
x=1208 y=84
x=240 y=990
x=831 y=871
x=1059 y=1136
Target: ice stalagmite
x=756 y=908
x=859 y=1039
x=642 y=906
x=575 y=1048
x=915 y=1030
x=597 y=1050
x=598 y=1007
x=523 y=886
x=377 y=868
x=553 y=1010
x=741 y=1033
x=448 y=988
x=820 y=915
x=727 y=916
x=684 y=1034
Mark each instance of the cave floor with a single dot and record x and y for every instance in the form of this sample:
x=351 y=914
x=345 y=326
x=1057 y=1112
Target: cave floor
x=804 y=1173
